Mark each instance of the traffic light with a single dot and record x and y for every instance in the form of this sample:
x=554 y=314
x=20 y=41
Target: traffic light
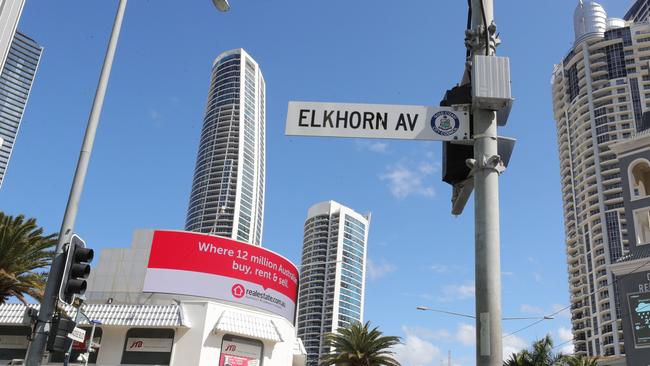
x=58 y=338
x=77 y=269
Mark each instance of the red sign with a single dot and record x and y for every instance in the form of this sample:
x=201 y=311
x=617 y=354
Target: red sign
x=236 y=353
x=215 y=267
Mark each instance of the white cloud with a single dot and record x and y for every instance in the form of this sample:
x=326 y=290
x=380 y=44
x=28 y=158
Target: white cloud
x=538 y=277
x=466 y=334
x=506 y=273
x=513 y=344
x=415 y=351
x=428 y=334
x=531 y=309
x=440 y=268
x=379 y=270
x=404 y=181
x=458 y=292
x=154 y=114
x=564 y=335
x=562 y=310
x=372 y=146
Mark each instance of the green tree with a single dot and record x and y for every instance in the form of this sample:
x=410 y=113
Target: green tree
x=540 y=354
x=358 y=345
x=581 y=361
x=23 y=251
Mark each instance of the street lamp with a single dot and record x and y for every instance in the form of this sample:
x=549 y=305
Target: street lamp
x=36 y=348
x=425 y=308
x=222 y=5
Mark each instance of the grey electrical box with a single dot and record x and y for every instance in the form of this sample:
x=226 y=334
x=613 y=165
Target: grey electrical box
x=491 y=85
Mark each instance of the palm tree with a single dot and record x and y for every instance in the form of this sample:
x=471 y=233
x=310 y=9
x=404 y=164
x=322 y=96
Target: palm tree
x=23 y=250
x=581 y=361
x=540 y=354
x=358 y=345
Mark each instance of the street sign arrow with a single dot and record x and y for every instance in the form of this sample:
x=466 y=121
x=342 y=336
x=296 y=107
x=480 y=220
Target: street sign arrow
x=378 y=121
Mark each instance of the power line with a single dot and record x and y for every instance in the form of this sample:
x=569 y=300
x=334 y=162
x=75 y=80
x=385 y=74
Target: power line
x=618 y=278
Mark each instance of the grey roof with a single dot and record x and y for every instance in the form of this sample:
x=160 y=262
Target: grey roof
x=248 y=325
x=642 y=252
x=108 y=314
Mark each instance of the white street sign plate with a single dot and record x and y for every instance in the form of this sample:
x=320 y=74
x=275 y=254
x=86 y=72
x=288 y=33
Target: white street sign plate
x=78 y=335
x=378 y=121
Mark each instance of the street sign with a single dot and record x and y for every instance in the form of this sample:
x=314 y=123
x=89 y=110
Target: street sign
x=78 y=335
x=378 y=121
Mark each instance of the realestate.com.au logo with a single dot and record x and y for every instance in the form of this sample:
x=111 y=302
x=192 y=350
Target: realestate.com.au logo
x=238 y=291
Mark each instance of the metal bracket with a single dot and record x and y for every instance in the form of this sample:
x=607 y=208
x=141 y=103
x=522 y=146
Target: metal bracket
x=493 y=163
x=475 y=39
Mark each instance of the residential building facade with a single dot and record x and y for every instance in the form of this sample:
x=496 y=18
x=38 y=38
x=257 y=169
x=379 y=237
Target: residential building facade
x=332 y=273
x=632 y=271
x=16 y=83
x=639 y=11
x=227 y=197
x=600 y=91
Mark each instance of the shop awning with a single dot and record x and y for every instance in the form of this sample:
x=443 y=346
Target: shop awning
x=152 y=316
x=247 y=325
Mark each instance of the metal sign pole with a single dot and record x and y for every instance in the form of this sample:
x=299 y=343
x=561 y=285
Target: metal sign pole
x=48 y=304
x=486 y=200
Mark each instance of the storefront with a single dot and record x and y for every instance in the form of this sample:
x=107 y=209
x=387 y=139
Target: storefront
x=178 y=298
x=187 y=333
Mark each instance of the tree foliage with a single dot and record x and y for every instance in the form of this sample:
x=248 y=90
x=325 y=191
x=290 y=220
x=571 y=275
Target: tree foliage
x=358 y=345
x=23 y=251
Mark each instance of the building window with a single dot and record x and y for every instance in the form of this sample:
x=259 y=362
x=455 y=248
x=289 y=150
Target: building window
x=13 y=342
x=642 y=225
x=241 y=351
x=639 y=175
x=147 y=346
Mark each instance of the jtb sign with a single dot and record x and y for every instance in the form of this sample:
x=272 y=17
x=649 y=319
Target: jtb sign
x=378 y=121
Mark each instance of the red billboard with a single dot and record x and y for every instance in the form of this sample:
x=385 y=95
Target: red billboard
x=194 y=264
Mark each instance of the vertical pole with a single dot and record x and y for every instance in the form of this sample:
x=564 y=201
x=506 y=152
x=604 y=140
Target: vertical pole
x=90 y=343
x=48 y=304
x=486 y=202
x=66 y=357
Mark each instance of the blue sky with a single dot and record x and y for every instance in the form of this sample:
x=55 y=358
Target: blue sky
x=365 y=51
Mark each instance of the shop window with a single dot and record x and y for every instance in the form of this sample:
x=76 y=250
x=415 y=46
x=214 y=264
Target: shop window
x=240 y=351
x=640 y=178
x=148 y=346
x=79 y=349
x=13 y=343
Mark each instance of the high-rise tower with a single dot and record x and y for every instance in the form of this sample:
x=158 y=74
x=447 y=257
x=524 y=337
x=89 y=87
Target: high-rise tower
x=16 y=81
x=227 y=196
x=600 y=91
x=332 y=274
x=639 y=11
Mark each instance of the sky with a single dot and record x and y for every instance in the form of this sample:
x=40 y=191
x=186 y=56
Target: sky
x=362 y=51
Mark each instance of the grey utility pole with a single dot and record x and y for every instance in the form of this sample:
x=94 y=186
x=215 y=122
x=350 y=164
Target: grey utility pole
x=49 y=302
x=482 y=41
x=487 y=164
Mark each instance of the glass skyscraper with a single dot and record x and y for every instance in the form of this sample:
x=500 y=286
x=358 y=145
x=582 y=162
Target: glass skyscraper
x=15 y=84
x=227 y=196
x=332 y=274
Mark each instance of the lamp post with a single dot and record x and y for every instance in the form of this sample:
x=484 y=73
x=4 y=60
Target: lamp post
x=222 y=5
x=48 y=304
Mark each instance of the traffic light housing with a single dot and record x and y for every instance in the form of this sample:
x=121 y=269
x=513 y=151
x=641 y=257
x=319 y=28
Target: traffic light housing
x=58 y=337
x=77 y=269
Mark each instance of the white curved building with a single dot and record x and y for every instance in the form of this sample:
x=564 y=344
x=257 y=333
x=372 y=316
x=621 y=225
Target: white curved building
x=600 y=91
x=332 y=274
x=227 y=196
